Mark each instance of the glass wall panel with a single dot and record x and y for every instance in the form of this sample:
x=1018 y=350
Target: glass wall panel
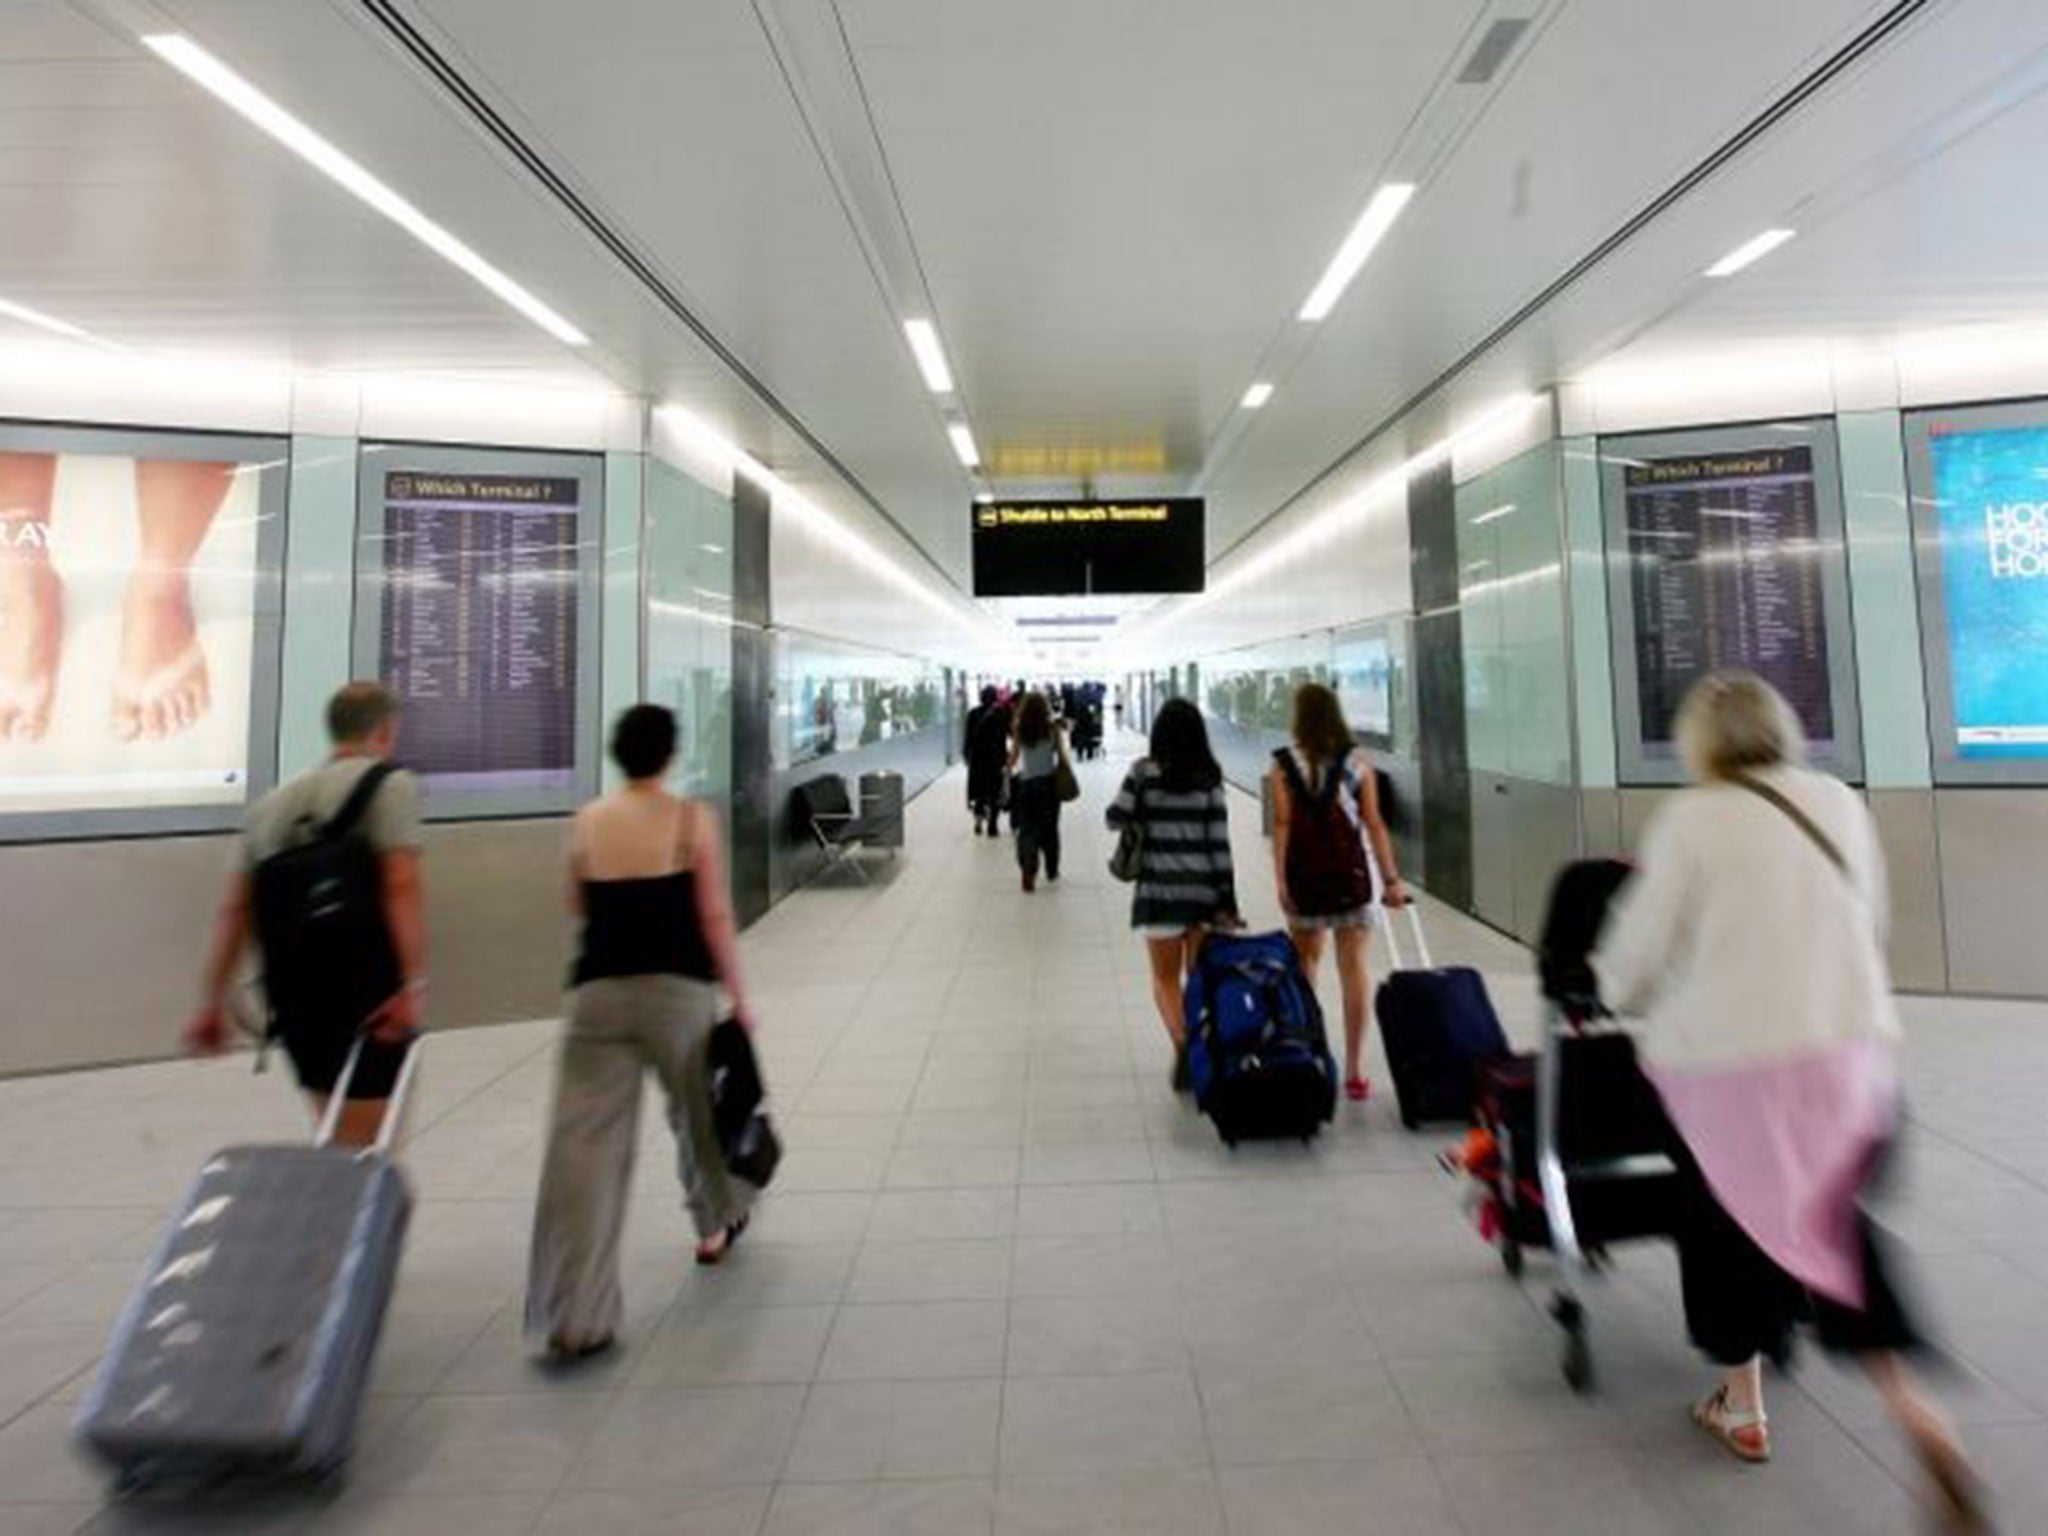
x=689 y=624
x=1511 y=588
x=837 y=698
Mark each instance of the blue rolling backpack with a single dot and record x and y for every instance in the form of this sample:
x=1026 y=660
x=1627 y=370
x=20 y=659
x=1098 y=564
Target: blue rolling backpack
x=1257 y=1051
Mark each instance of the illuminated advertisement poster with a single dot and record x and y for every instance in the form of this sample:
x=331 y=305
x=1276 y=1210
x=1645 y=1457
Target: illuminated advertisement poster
x=1991 y=506
x=137 y=640
x=481 y=570
x=1726 y=551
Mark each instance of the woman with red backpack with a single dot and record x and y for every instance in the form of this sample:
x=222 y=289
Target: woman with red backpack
x=1325 y=811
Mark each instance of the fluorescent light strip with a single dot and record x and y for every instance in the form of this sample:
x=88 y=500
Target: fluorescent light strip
x=1750 y=251
x=1257 y=395
x=1371 y=228
x=53 y=325
x=931 y=357
x=1494 y=516
x=201 y=67
x=963 y=445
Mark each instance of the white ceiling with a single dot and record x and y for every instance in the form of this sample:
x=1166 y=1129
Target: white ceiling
x=1110 y=207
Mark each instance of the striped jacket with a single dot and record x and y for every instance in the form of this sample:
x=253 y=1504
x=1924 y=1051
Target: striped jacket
x=1185 y=876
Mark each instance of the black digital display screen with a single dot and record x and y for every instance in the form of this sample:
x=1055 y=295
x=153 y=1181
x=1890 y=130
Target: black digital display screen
x=1725 y=549
x=479 y=630
x=1725 y=554
x=1078 y=548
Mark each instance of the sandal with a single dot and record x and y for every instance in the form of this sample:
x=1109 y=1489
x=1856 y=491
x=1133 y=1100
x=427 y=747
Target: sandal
x=1744 y=1432
x=713 y=1251
x=1357 y=1089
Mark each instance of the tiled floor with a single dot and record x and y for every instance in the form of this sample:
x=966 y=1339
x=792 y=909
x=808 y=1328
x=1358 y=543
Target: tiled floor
x=1007 y=1283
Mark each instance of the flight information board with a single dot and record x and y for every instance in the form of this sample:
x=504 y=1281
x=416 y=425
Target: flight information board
x=1728 y=556
x=481 y=627
x=1079 y=548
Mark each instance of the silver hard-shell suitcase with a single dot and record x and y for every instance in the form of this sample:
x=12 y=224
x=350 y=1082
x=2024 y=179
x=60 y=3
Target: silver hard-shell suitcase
x=245 y=1349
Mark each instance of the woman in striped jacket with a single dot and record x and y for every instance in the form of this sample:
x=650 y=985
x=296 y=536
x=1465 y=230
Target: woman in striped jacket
x=1186 y=885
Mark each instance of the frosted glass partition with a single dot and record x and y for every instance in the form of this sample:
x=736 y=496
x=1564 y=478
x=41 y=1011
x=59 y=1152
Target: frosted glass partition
x=1511 y=588
x=689 y=624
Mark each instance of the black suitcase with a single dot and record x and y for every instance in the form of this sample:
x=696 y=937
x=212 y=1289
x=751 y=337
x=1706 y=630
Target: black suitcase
x=1608 y=1116
x=1437 y=1026
x=245 y=1349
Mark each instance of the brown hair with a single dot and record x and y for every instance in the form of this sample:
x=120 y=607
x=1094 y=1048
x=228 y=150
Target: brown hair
x=357 y=710
x=1319 y=727
x=1034 y=719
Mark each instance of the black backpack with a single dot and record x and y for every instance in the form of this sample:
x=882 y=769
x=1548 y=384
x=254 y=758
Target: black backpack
x=1327 y=872
x=318 y=906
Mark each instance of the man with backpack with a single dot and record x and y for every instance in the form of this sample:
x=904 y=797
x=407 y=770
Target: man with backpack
x=327 y=885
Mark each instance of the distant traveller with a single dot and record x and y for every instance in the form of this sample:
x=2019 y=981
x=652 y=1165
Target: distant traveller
x=1036 y=753
x=988 y=753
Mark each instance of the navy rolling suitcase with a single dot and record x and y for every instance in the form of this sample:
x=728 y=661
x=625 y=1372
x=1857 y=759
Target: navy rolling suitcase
x=245 y=1349
x=1258 y=1055
x=1437 y=1026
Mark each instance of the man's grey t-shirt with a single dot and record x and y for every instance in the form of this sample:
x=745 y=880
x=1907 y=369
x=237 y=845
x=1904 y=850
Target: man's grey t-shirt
x=392 y=822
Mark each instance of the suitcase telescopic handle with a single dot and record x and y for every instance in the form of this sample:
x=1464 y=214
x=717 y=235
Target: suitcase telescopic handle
x=394 y=1107
x=1414 y=912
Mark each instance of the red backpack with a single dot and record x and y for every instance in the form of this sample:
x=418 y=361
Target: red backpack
x=1327 y=871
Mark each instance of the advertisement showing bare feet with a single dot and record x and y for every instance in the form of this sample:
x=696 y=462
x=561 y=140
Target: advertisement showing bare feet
x=128 y=595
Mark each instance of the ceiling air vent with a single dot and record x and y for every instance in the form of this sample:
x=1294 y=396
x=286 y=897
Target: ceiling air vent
x=1493 y=49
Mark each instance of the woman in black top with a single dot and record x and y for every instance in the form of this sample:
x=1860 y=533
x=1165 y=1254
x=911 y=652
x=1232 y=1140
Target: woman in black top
x=647 y=876
x=1186 y=883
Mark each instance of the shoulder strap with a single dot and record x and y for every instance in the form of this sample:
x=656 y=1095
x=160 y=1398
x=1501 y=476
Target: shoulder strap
x=1805 y=823
x=357 y=805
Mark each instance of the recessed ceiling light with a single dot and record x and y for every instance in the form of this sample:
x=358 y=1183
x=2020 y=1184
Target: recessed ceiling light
x=1371 y=228
x=983 y=498
x=963 y=445
x=1750 y=251
x=931 y=357
x=53 y=325
x=201 y=67
x=1257 y=395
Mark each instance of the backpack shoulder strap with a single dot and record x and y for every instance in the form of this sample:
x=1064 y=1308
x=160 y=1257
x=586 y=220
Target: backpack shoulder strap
x=357 y=805
x=1290 y=766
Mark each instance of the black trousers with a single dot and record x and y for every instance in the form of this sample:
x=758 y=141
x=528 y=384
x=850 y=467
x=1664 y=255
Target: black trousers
x=1035 y=806
x=1739 y=1304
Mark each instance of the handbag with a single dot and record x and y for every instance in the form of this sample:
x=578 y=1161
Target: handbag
x=1064 y=781
x=1128 y=859
x=746 y=1136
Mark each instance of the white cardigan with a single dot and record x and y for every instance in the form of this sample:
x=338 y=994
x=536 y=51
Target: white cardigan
x=1737 y=943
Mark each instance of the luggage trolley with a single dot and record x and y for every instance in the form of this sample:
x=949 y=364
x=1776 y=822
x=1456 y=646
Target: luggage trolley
x=1581 y=1135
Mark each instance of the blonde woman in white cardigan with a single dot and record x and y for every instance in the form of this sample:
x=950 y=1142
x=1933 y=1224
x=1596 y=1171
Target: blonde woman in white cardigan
x=1750 y=946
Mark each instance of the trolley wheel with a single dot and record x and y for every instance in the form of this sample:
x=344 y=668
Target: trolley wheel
x=1511 y=1258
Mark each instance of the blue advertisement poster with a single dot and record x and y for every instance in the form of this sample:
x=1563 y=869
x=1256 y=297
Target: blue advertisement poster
x=1991 y=496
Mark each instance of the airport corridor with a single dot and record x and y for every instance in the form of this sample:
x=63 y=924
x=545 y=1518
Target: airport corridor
x=1007 y=1282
